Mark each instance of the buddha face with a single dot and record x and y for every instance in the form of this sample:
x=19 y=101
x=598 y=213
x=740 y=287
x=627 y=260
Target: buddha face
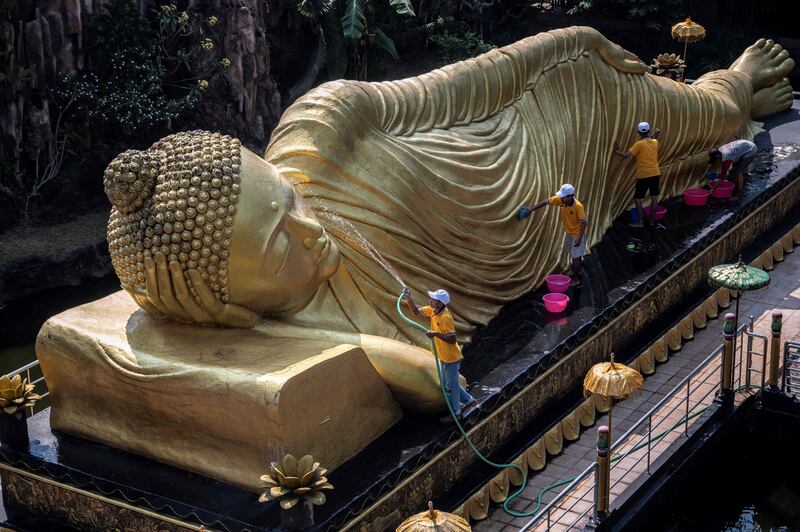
x=279 y=254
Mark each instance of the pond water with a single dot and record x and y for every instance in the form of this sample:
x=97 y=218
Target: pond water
x=21 y=319
x=751 y=482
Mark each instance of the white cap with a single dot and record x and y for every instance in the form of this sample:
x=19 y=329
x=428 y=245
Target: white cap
x=643 y=127
x=566 y=190
x=440 y=295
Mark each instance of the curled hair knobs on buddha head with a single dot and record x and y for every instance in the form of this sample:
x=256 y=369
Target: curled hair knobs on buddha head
x=177 y=198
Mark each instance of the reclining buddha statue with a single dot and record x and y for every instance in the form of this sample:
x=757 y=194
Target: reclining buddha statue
x=255 y=318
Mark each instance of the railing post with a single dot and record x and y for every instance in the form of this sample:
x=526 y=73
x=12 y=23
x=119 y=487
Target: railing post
x=728 y=335
x=750 y=327
x=603 y=478
x=688 y=394
x=775 y=349
x=649 y=438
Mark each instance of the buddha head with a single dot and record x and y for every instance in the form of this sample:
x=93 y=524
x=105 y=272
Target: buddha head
x=208 y=204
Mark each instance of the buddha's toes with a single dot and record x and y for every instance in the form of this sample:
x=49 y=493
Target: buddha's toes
x=772 y=99
x=766 y=62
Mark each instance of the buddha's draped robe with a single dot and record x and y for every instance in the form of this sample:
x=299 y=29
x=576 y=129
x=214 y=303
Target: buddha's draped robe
x=432 y=170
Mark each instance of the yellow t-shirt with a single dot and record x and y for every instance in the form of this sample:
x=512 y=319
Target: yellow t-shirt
x=646 y=153
x=443 y=323
x=571 y=216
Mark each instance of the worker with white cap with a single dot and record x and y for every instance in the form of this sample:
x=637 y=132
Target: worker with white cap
x=573 y=216
x=443 y=333
x=648 y=175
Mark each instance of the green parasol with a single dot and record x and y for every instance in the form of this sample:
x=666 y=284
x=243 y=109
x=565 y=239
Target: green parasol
x=738 y=277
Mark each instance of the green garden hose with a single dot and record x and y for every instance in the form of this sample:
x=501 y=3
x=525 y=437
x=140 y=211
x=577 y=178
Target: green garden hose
x=524 y=477
x=461 y=429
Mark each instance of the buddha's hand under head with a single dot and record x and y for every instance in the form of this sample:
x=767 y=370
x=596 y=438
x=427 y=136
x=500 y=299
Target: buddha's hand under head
x=168 y=294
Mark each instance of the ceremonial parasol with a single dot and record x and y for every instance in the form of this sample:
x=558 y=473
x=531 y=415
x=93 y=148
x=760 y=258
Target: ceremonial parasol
x=612 y=380
x=434 y=520
x=739 y=278
x=688 y=31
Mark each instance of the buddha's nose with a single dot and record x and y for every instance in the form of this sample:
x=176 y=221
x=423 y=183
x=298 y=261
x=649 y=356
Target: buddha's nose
x=310 y=230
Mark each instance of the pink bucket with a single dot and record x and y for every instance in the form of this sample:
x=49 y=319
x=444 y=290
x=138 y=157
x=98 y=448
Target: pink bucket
x=723 y=190
x=660 y=212
x=555 y=302
x=557 y=282
x=695 y=197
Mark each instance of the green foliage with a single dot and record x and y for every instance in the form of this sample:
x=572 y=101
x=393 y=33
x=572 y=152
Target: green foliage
x=353 y=34
x=454 y=40
x=143 y=74
x=385 y=43
x=335 y=45
x=654 y=14
x=402 y=7
x=354 y=21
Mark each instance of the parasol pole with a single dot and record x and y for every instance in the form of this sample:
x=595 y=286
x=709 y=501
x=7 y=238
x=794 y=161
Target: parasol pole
x=685 y=46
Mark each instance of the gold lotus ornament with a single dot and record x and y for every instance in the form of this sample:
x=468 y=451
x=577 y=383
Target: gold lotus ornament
x=294 y=479
x=434 y=520
x=16 y=394
x=669 y=61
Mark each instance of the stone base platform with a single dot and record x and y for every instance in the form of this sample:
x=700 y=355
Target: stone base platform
x=204 y=399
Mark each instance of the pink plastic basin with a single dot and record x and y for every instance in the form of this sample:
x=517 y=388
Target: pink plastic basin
x=660 y=212
x=695 y=197
x=723 y=190
x=557 y=283
x=555 y=302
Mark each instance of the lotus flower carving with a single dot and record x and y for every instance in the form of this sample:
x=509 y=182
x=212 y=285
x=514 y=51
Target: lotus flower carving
x=294 y=479
x=668 y=61
x=16 y=394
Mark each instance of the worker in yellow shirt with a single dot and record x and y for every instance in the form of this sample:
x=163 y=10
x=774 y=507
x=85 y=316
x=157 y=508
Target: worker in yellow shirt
x=443 y=332
x=648 y=175
x=573 y=216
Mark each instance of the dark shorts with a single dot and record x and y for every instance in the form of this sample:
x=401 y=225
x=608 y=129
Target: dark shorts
x=645 y=186
x=744 y=163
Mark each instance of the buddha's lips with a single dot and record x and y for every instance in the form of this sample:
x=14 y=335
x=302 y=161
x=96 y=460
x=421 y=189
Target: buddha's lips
x=326 y=248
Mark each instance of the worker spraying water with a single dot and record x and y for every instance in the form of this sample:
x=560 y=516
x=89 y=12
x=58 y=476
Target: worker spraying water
x=443 y=334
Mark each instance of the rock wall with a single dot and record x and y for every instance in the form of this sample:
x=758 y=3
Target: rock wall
x=44 y=39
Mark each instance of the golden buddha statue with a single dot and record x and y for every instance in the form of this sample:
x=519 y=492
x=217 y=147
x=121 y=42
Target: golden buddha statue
x=431 y=170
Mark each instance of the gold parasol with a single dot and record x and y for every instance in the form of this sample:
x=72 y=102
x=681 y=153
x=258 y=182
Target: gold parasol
x=688 y=31
x=434 y=520
x=612 y=380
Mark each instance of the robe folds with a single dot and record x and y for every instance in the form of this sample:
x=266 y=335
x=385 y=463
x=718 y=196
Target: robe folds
x=433 y=169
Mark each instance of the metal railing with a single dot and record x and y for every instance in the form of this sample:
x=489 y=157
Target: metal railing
x=749 y=369
x=790 y=381
x=40 y=386
x=572 y=507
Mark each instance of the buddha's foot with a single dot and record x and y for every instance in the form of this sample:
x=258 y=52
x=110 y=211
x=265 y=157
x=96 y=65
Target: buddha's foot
x=766 y=62
x=772 y=100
